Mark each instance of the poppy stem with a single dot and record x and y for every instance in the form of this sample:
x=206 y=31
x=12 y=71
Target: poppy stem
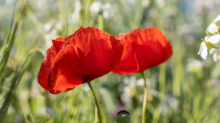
x=145 y=99
x=100 y=21
x=96 y=101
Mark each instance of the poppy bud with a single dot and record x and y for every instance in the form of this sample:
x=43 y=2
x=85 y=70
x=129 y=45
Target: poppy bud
x=123 y=116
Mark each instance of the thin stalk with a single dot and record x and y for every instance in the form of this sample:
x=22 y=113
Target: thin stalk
x=96 y=115
x=15 y=82
x=96 y=101
x=35 y=21
x=156 y=114
x=11 y=39
x=87 y=13
x=101 y=21
x=145 y=99
x=80 y=21
x=162 y=81
x=27 y=59
x=103 y=113
x=101 y=26
x=12 y=23
x=63 y=16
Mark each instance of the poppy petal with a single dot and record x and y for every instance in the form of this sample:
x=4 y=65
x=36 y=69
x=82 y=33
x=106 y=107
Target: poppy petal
x=134 y=31
x=69 y=37
x=58 y=43
x=143 y=49
x=45 y=67
x=66 y=71
x=122 y=35
x=117 y=49
x=95 y=50
x=87 y=54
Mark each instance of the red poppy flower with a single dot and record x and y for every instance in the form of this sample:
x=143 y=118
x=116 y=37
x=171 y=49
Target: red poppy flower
x=143 y=49
x=87 y=54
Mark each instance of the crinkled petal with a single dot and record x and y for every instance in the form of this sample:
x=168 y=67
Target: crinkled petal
x=66 y=71
x=134 y=31
x=117 y=49
x=122 y=35
x=168 y=51
x=45 y=67
x=96 y=50
x=88 y=54
x=58 y=43
x=143 y=49
x=69 y=37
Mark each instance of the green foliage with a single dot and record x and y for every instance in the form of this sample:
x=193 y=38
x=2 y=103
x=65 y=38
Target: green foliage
x=184 y=89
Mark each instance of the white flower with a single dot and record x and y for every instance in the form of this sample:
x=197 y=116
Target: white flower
x=213 y=39
x=215 y=56
x=145 y=3
x=217 y=18
x=173 y=102
x=164 y=109
x=86 y=87
x=140 y=82
x=126 y=80
x=193 y=65
x=48 y=40
x=47 y=27
x=161 y=3
x=212 y=28
x=95 y=7
x=53 y=34
x=106 y=9
x=106 y=6
x=59 y=25
x=203 y=50
x=74 y=16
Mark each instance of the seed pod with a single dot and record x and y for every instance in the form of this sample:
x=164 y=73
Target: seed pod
x=123 y=116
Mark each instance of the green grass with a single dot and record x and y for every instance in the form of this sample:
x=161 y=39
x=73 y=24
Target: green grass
x=176 y=94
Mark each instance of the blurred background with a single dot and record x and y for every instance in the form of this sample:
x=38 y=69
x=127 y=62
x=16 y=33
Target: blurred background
x=185 y=89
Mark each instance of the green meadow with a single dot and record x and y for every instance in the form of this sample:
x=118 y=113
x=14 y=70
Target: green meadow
x=184 y=89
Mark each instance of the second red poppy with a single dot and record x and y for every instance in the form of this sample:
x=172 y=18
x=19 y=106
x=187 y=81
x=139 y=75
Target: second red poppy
x=143 y=49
